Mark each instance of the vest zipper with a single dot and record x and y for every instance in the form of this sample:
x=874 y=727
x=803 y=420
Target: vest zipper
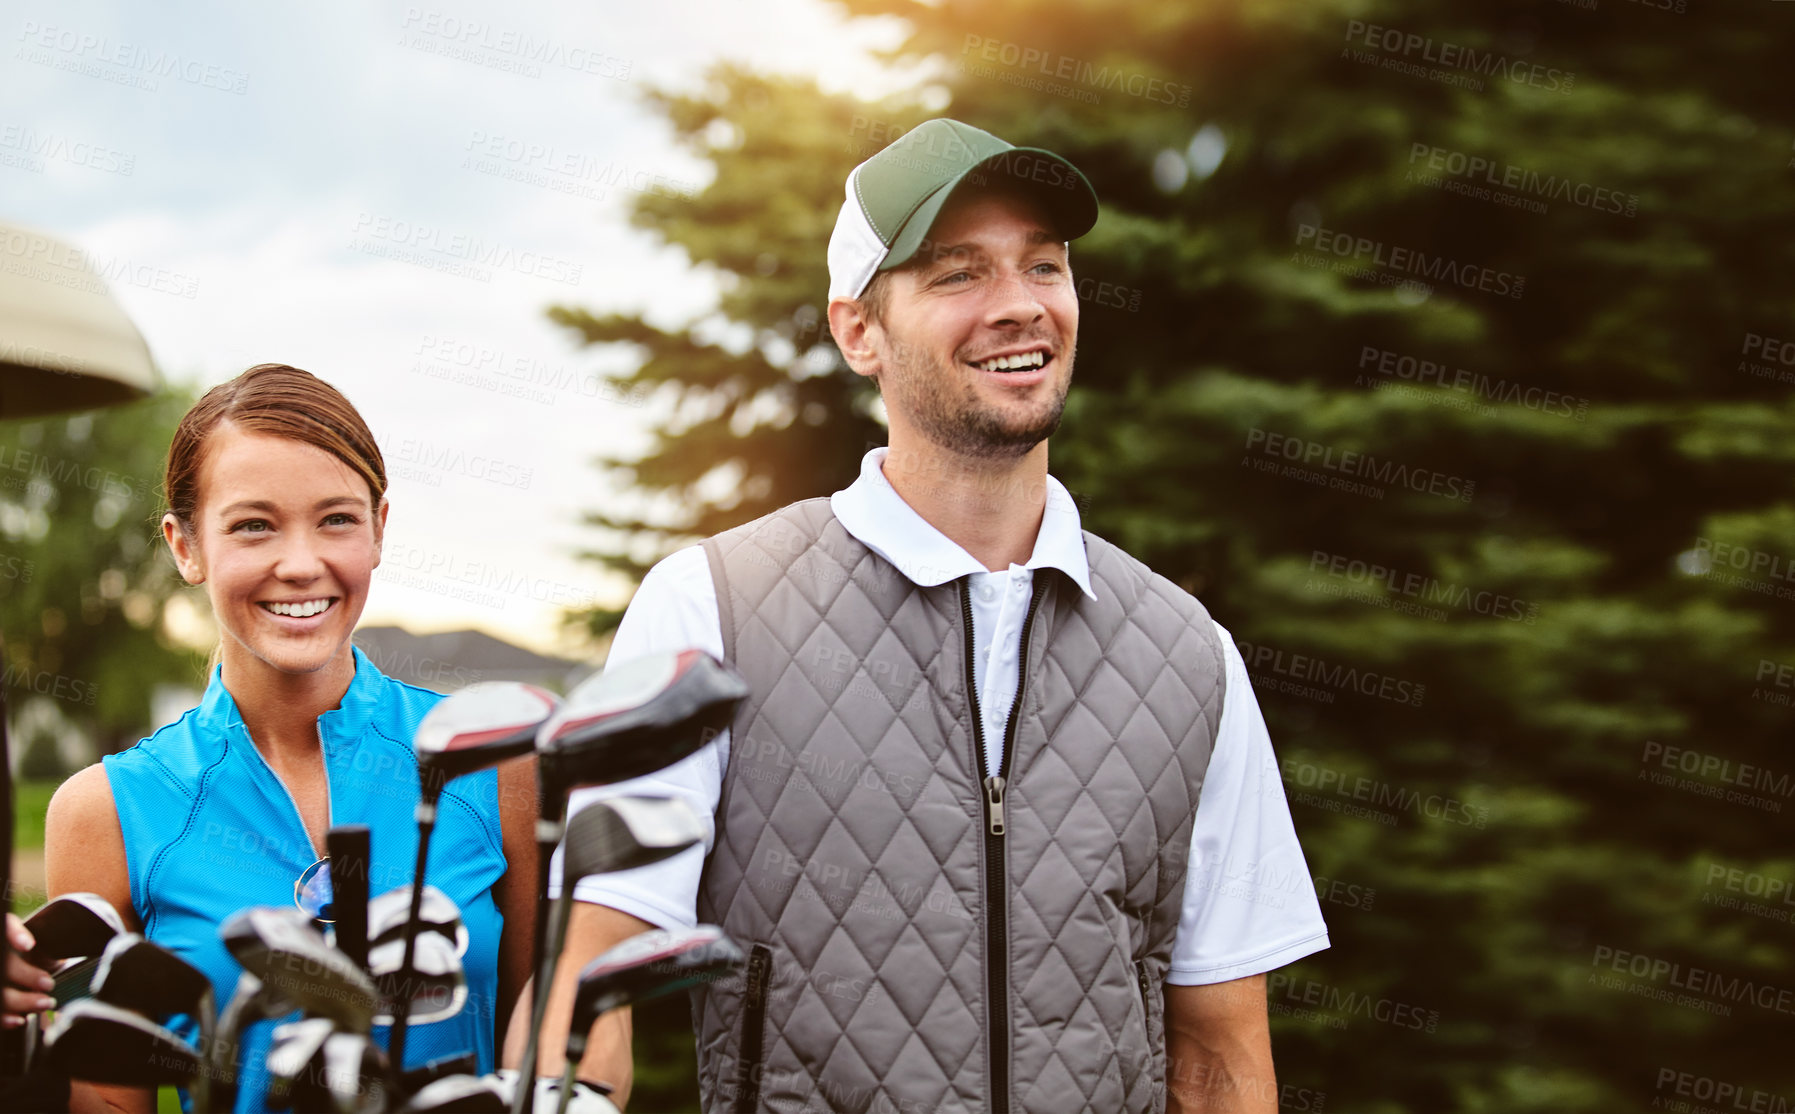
x=997 y=912
x=754 y=1022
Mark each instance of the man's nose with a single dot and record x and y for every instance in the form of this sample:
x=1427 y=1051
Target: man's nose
x=1014 y=300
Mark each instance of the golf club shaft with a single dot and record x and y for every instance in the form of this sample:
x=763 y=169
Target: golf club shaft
x=350 y=848
x=550 y=824
x=401 y=1004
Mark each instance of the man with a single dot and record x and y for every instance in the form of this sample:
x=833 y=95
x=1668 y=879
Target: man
x=957 y=823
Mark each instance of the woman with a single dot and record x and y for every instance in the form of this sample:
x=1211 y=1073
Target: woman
x=276 y=505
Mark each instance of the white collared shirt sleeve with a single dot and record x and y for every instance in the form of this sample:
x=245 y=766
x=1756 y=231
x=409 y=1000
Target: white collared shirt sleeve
x=674 y=609
x=1249 y=900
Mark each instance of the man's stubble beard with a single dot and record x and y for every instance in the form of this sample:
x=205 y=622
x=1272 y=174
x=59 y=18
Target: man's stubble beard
x=947 y=409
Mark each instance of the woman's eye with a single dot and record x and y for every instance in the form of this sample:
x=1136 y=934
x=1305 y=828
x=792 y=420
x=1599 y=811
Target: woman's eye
x=340 y=519
x=250 y=526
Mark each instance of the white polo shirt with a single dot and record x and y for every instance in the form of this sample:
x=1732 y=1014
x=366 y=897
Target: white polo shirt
x=1249 y=901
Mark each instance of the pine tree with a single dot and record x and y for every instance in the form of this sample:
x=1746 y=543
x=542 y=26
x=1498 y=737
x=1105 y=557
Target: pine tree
x=1444 y=354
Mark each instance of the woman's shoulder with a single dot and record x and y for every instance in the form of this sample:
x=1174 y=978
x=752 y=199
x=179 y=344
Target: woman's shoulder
x=175 y=753
x=84 y=847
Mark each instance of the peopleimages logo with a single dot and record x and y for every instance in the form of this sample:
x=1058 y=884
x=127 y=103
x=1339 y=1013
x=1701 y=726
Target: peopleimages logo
x=1414 y=263
x=1407 y=46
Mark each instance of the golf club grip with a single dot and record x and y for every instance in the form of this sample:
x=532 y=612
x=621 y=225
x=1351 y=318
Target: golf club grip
x=351 y=850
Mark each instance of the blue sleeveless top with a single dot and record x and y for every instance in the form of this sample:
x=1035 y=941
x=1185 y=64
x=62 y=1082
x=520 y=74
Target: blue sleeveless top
x=209 y=829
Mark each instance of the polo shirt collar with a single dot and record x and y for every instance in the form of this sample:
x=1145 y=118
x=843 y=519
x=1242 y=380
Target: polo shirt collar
x=876 y=515
x=340 y=727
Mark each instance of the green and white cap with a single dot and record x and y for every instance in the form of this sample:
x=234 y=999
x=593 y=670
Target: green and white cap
x=895 y=196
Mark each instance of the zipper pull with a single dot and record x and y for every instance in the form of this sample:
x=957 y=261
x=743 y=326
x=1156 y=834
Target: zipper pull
x=994 y=804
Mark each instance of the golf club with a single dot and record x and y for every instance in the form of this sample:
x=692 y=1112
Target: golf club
x=346 y=1076
x=619 y=833
x=630 y=720
x=435 y=988
x=136 y=974
x=646 y=966
x=291 y=1052
x=351 y=850
x=389 y=913
x=585 y=1097
x=78 y=924
x=252 y=1001
x=459 y=1094
x=102 y=1043
x=69 y=933
x=473 y=729
x=280 y=947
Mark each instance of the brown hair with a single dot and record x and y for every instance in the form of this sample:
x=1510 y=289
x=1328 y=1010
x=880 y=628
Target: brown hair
x=282 y=401
x=875 y=298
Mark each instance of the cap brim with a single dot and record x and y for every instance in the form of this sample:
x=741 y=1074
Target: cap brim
x=1042 y=176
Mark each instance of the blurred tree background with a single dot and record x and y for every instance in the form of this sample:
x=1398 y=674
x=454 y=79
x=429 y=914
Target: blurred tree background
x=1570 y=427
x=84 y=584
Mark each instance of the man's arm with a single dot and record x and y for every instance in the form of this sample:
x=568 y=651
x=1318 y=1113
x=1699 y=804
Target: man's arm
x=675 y=608
x=591 y=930
x=1218 y=1049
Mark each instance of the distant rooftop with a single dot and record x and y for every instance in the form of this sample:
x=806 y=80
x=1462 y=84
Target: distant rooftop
x=449 y=660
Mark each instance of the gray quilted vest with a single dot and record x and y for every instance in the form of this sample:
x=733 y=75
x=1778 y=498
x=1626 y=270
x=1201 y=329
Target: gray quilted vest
x=921 y=937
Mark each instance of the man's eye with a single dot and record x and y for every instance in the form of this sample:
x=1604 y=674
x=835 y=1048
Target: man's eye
x=1047 y=267
x=955 y=277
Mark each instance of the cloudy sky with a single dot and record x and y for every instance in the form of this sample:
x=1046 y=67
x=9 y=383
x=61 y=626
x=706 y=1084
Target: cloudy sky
x=389 y=196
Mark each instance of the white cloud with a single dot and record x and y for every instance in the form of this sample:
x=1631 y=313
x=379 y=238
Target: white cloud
x=301 y=182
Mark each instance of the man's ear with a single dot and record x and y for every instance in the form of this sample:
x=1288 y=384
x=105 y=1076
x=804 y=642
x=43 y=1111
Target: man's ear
x=186 y=555
x=855 y=335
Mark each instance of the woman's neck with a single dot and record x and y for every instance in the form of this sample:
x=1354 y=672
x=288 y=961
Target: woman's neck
x=281 y=709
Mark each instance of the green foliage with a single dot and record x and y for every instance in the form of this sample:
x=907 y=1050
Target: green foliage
x=1567 y=601
x=84 y=575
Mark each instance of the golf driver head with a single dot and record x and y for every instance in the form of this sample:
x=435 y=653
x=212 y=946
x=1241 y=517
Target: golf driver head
x=622 y=833
x=649 y=965
x=436 y=983
x=77 y=924
x=140 y=975
x=636 y=718
x=291 y=958
x=480 y=726
x=438 y=913
x=102 y=1043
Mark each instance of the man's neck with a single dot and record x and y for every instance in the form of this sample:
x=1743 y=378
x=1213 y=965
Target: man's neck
x=991 y=509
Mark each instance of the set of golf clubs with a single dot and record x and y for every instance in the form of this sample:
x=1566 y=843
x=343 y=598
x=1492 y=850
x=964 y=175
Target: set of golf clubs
x=397 y=958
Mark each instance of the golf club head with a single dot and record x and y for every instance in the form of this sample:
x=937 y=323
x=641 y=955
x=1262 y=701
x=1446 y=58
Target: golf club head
x=460 y=1094
x=78 y=924
x=140 y=975
x=636 y=718
x=346 y=1075
x=622 y=833
x=585 y=1098
x=480 y=726
x=438 y=913
x=102 y=1043
x=292 y=1051
x=648 y=965
x=436 y=982
x=280 y=947
x=252 y=1001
